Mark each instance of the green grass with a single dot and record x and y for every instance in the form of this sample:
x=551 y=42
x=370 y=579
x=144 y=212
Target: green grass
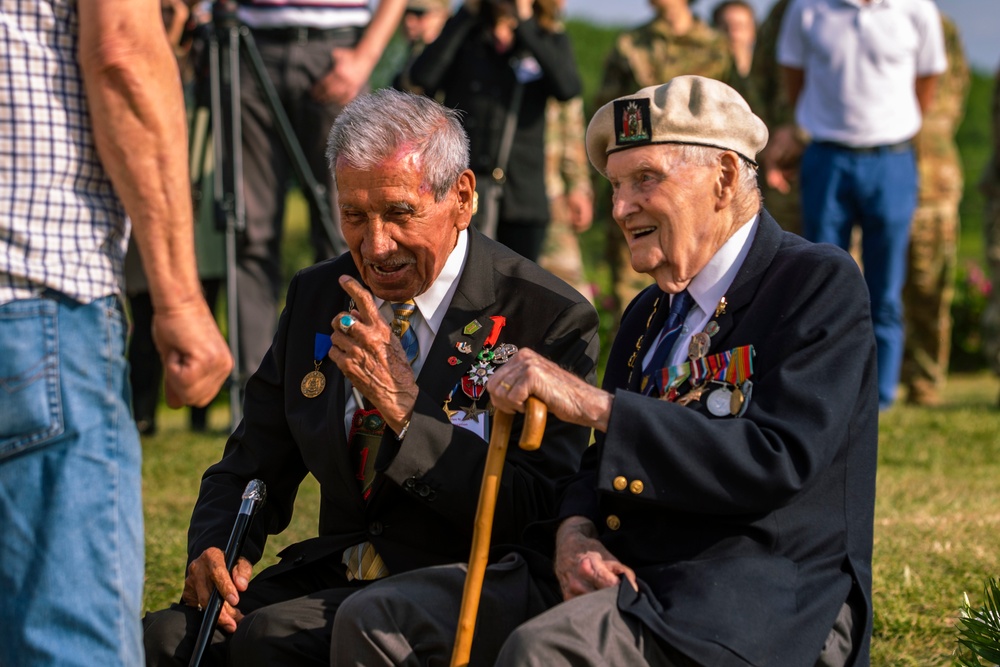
x=937 y=522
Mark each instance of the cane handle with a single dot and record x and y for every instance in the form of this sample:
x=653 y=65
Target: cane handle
x=535 y=413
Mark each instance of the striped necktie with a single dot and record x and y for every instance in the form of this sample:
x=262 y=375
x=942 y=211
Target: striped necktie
x=401 y=327
x=680 y=305
x=362 y=560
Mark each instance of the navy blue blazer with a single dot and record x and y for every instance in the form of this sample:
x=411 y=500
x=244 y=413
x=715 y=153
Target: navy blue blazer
x=749 y=533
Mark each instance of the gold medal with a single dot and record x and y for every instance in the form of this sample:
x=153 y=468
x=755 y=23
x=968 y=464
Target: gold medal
x=736 y=401
x=313 y=383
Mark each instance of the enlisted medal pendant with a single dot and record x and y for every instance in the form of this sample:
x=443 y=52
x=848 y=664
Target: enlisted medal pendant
x=503 y=353
x=698 y=347
x=736 y=401
x=313 y=383
x=719 y=402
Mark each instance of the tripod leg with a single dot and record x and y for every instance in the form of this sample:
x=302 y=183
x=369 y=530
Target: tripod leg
x=230 y=213
x=314 y=191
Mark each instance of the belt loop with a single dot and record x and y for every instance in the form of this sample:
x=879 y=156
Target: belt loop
x=302 y=35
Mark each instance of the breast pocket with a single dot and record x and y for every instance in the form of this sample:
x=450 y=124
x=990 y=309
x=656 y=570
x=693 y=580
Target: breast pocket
x=30 y=404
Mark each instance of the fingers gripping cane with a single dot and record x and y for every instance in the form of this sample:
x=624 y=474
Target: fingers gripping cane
x=253 y=499
x=531 y=439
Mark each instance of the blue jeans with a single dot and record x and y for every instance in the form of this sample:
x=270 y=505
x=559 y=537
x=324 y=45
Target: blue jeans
x=878 y=191
x=71 y=535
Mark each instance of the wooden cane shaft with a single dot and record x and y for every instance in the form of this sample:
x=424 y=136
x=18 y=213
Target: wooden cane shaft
x=531 y=439
x=483 y=526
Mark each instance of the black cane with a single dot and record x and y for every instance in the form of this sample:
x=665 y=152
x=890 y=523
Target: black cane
x=253 y=499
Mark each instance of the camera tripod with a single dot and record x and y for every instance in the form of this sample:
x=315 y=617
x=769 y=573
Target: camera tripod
x=229 y=41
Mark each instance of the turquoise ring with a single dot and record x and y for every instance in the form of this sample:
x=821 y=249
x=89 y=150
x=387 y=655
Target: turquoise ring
x=346 y=322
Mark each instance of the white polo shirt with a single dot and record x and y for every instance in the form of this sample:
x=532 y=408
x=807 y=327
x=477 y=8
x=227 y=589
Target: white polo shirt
x=860 y=62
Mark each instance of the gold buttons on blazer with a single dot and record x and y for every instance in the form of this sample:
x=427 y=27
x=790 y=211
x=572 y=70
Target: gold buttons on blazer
x=636 y=487
x=613 y=522
x=619 y=483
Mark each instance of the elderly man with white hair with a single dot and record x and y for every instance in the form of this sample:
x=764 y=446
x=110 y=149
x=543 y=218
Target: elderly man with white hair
x=724 y=514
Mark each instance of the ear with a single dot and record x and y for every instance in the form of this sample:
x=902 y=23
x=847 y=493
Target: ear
x=465 y=188
x=728 y=177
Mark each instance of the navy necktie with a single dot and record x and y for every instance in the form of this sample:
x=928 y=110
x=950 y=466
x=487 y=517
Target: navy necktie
x=679 y=308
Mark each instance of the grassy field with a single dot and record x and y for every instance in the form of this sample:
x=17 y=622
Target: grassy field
x=937 y=520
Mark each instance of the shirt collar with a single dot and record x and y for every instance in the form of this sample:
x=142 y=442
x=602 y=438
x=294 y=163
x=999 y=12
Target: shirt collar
x=432 y=304
x=710 y=285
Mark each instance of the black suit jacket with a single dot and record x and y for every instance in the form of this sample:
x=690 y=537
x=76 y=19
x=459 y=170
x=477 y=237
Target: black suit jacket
x=421 y=511
x=750 y=533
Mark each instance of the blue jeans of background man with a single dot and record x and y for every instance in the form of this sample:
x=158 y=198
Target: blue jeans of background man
x=71 y=540
x=876 y=189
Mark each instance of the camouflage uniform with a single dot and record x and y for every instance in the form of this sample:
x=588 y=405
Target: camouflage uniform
x=566 y=171
x=990 y=185
x=929 y=288
x=770 y=102
x=646 y=56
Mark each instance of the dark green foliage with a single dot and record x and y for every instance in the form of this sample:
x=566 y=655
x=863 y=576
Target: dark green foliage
x=979 y=630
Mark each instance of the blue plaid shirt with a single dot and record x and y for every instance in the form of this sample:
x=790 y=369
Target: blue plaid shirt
x=61 y=224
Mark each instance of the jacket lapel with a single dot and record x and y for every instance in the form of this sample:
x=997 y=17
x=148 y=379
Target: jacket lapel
x=474 y=300
x=763 y=248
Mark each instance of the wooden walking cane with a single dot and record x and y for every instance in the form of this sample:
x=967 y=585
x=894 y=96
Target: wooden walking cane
x=531 y=439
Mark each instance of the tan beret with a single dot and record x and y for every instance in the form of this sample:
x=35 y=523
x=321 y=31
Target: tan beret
x=685 y=110
x=428 y=5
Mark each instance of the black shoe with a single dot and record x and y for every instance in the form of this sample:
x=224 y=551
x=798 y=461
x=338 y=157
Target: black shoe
x=146 y=426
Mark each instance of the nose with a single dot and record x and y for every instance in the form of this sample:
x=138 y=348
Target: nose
x=379 y=240
x=622 y=206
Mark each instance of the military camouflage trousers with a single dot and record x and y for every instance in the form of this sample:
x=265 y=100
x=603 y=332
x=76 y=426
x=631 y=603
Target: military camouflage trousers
x=927 y=297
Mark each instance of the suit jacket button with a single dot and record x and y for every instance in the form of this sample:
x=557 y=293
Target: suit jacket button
x=423 y=490
x=375 y=528
x=636 y=487
x=619 y=483
x=613 y=522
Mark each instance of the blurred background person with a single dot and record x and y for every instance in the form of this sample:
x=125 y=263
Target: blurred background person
x=422 y=23
x=673 y=43
x=933 y=256
x=779 y=163
x=860 y=77
x=499 y=62
x=571 y=195
x=319 y=56
x=735 y=19
x=990 y=187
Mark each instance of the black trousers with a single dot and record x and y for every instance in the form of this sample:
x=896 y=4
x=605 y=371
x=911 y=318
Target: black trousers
x=288 y=621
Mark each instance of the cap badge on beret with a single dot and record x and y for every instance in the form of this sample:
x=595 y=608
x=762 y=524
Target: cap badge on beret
x=632 y=122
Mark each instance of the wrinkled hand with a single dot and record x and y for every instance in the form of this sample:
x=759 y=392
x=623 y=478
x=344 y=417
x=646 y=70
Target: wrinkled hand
x=582 y=563
x=780 y=159
x=196 y=359
x=346 y=78
x=373 y=359
x=581 y=210
x=207 y=573
x=567 y=397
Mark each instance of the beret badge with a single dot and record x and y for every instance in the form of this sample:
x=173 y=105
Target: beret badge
x=632 y=122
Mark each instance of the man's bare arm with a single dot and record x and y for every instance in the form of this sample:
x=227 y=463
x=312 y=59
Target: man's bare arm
x=139 y=124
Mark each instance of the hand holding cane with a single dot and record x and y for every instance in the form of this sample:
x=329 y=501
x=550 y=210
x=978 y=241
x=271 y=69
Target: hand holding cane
x=253 y=499
x=531 y=439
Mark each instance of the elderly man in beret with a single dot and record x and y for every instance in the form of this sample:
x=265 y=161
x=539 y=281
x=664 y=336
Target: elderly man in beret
x=724 y=514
